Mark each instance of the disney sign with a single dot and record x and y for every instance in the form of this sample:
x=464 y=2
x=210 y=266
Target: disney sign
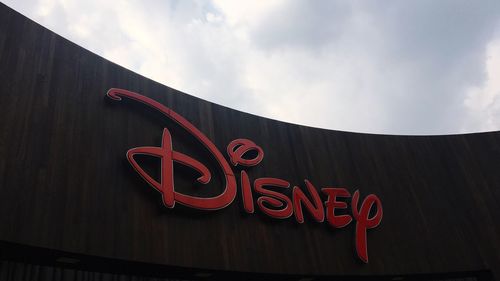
x=272 y=203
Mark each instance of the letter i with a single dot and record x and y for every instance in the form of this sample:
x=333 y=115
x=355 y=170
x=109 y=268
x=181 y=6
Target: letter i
x=246 y=193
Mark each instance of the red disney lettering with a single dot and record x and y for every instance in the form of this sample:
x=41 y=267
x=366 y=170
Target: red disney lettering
x=363 y=222
x=271 y=202
x=168 y=156
x=238 y=147
x=316 y=208
x=170 y=196
x=246 y=193
x=273 y=198
x=332 y=204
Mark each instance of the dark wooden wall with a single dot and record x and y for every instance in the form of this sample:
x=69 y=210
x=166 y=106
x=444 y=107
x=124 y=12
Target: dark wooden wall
x=65 y=183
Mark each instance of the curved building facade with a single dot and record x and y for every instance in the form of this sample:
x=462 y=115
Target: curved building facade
x=105 y=174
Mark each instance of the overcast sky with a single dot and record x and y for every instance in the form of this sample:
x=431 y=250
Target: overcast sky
x=395 y=67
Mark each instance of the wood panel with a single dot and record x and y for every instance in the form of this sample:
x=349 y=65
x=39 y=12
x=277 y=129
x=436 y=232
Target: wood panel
x=65 y=183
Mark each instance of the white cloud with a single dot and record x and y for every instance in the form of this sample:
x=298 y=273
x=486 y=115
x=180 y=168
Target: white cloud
x=483 y=101
x=244 y=13
x=416 y=67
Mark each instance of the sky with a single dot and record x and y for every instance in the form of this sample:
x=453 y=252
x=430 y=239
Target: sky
x=388 y=67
